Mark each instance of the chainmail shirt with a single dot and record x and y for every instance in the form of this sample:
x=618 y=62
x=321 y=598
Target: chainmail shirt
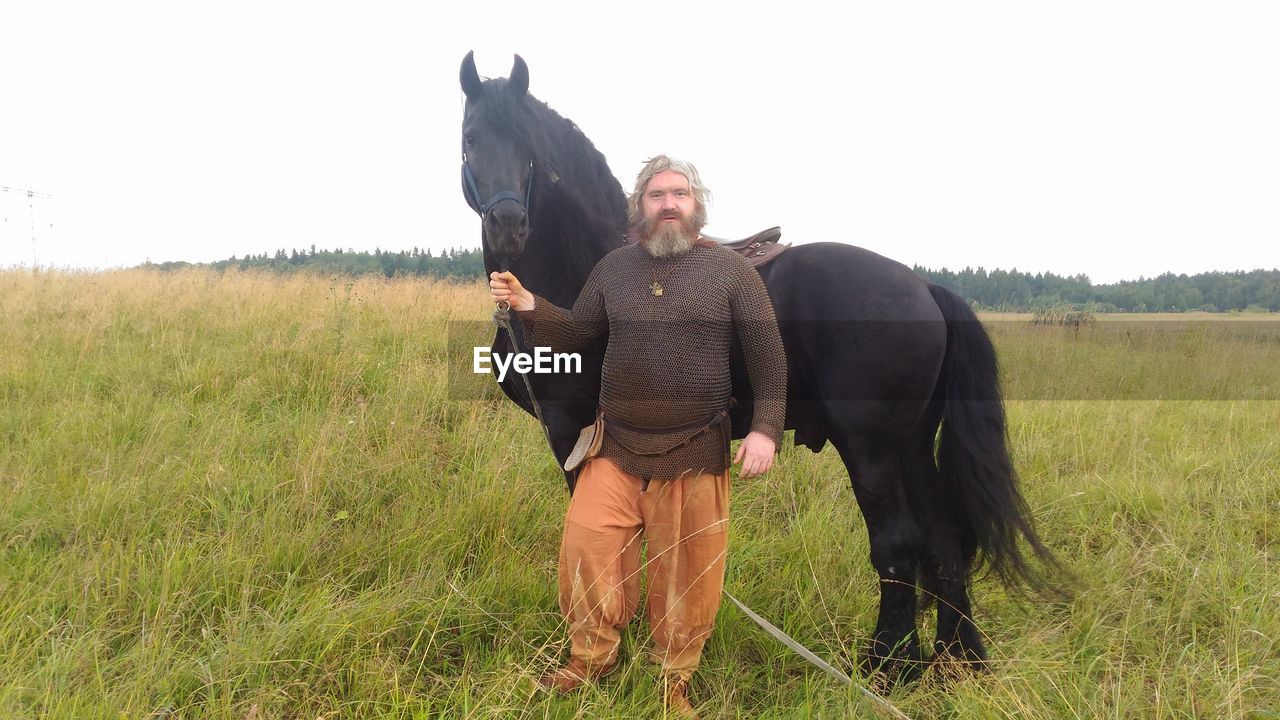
x=667 y=360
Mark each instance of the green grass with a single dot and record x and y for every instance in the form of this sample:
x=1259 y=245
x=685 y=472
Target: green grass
x=248 y=496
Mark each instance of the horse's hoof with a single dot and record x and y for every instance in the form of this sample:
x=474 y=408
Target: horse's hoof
x=889 y=665
x=953 y=661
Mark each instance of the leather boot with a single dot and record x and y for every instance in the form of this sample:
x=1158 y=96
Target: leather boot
x=677 y=698
x=574 y=674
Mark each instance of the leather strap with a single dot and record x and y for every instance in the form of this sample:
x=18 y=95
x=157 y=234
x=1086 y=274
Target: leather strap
x=482 y=206
x=701 y=426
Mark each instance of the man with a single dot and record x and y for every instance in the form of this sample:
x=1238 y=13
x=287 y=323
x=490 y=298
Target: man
x=671 y=304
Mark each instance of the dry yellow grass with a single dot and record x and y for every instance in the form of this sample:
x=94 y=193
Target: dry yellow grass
x=240 y=493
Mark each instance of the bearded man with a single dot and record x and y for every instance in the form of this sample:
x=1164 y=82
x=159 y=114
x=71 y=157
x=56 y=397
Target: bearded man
x=672 y=304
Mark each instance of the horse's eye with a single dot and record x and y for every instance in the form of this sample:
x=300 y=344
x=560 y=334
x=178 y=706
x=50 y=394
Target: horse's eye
x=469 y=140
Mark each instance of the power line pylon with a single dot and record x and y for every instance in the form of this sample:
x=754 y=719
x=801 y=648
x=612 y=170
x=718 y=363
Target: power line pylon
x=32 y=196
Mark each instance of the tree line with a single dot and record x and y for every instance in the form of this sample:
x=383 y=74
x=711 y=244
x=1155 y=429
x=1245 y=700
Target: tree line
x=461 y=264
x=1251 y=291
x=1241 y=291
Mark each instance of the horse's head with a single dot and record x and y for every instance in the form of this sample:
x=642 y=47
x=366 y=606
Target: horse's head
x=497 y=163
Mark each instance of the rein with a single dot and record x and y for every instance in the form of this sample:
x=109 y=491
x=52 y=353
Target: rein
x=502 y=318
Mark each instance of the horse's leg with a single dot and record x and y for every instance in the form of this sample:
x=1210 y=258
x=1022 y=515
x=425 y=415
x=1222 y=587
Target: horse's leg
x=895 y=547
x=563 y=421
x=562 y=428
x=945 y=561
x=947 y=579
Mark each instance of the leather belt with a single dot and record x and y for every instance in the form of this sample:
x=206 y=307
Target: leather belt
x=700 y=426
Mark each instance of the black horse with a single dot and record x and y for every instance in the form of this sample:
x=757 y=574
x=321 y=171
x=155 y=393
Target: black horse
x=878 y=361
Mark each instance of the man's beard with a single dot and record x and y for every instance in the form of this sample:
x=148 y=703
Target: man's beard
x=667 y=239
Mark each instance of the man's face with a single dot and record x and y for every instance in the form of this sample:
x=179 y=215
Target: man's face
x=668 y=201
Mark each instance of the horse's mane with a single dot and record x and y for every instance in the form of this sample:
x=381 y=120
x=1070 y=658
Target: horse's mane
x=578 y=217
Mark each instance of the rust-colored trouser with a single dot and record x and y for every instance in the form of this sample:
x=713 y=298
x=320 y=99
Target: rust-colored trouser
x=684 y=520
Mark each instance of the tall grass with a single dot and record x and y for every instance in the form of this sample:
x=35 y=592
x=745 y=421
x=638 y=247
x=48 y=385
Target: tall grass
x=244 y=495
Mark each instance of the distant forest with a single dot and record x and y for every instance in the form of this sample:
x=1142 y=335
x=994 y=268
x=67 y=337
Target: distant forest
x=453 y=263
x=1252 y=291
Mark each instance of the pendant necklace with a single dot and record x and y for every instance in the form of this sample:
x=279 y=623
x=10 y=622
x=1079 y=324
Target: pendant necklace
x=656 y=288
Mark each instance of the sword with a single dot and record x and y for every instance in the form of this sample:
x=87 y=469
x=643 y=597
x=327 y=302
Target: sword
x=818 y=662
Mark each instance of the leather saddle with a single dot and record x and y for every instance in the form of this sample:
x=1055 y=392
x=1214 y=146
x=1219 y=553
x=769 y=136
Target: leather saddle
x=759 y=249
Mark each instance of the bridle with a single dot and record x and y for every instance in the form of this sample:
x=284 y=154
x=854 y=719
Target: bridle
x=481 y=206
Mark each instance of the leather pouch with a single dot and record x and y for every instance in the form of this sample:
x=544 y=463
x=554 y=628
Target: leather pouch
x=588 y=444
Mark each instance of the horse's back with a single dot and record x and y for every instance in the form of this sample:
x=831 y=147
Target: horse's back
x=835 y=281
x=864 y=340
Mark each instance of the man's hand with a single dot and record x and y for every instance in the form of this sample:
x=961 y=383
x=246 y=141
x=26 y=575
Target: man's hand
x=758 y=449
x=505 y=286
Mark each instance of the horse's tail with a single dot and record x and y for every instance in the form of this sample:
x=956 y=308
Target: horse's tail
x=978 y=477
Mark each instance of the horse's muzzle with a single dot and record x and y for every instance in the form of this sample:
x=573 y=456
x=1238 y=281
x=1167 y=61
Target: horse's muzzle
x=506 y=228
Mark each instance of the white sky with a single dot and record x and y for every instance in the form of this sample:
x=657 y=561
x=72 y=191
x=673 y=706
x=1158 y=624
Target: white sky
x=1112 y=138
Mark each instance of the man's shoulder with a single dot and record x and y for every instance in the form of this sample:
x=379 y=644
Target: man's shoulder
x=723 y=256
x=723 y=253
x=618 y=256
x=621 y=251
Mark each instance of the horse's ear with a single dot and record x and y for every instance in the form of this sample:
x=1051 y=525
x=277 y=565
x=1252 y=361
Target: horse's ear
x=519 y=80
x=470 y=78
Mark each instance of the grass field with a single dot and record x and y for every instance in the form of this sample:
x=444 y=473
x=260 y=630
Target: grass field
x=247 y=496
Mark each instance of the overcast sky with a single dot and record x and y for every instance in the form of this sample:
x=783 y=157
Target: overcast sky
x=1114 y=138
